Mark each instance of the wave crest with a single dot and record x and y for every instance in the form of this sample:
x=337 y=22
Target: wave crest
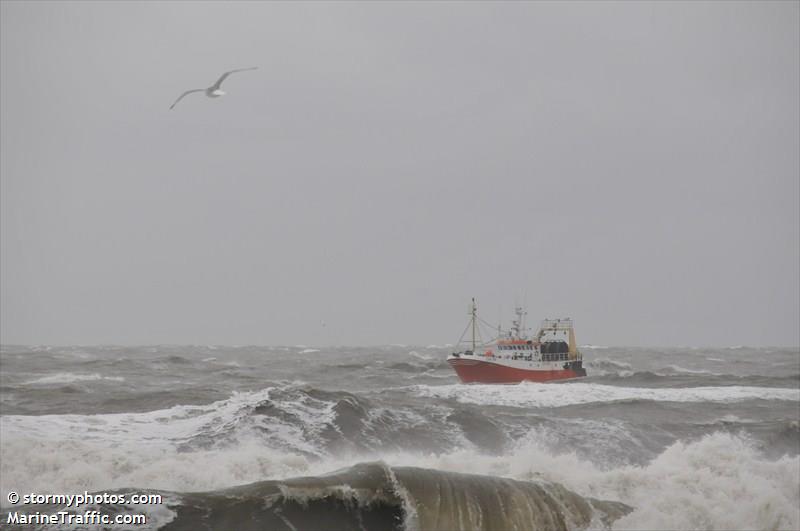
x=68 y=377
x=376 y=496
x=529 y=394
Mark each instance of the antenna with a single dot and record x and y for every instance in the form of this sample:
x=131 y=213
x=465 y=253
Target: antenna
x=524 y=308
x=499 y=320
x=518 y=324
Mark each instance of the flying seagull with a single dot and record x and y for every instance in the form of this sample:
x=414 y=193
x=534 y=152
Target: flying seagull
x=213 y=91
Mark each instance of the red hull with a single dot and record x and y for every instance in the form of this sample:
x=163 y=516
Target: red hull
x=478 y=371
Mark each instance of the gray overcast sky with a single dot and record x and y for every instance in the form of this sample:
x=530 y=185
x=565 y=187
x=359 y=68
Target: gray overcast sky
x=633 y=165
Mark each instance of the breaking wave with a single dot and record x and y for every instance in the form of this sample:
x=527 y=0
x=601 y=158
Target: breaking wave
x=680 y=448
x=690 y=485
x=683 y=370
x=68 y=377
x=604 y=366
x=376 y=496
x=529 y=394
x=424 y=357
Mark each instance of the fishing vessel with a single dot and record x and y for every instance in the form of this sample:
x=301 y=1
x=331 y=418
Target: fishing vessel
x=513 y=357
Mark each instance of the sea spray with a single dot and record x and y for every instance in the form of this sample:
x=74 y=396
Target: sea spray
x=682 y=450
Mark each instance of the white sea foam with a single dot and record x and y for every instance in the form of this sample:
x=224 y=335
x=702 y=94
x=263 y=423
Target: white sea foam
x=425 y=357
x=734 y=419
x=603 y=366
x=149 y=449
x=431 y=373
x=718 y=482
x=158 y=515
x=684 y=370
x=529 y=394
x=68 y=377
x=594 y=347
x=40 y=348
x=609 y=362
x=73 y=465
x=309 y=351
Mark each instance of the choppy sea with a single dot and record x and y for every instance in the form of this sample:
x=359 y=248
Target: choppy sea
x=386 y=437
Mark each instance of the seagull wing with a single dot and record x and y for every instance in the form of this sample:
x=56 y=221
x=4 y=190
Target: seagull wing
x=184 y=94
x=216 y=85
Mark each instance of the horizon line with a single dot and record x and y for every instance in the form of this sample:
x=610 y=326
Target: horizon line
x=588 y=346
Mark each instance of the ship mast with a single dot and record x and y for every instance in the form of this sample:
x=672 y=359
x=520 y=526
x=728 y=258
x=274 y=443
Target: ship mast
x=474 y=318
